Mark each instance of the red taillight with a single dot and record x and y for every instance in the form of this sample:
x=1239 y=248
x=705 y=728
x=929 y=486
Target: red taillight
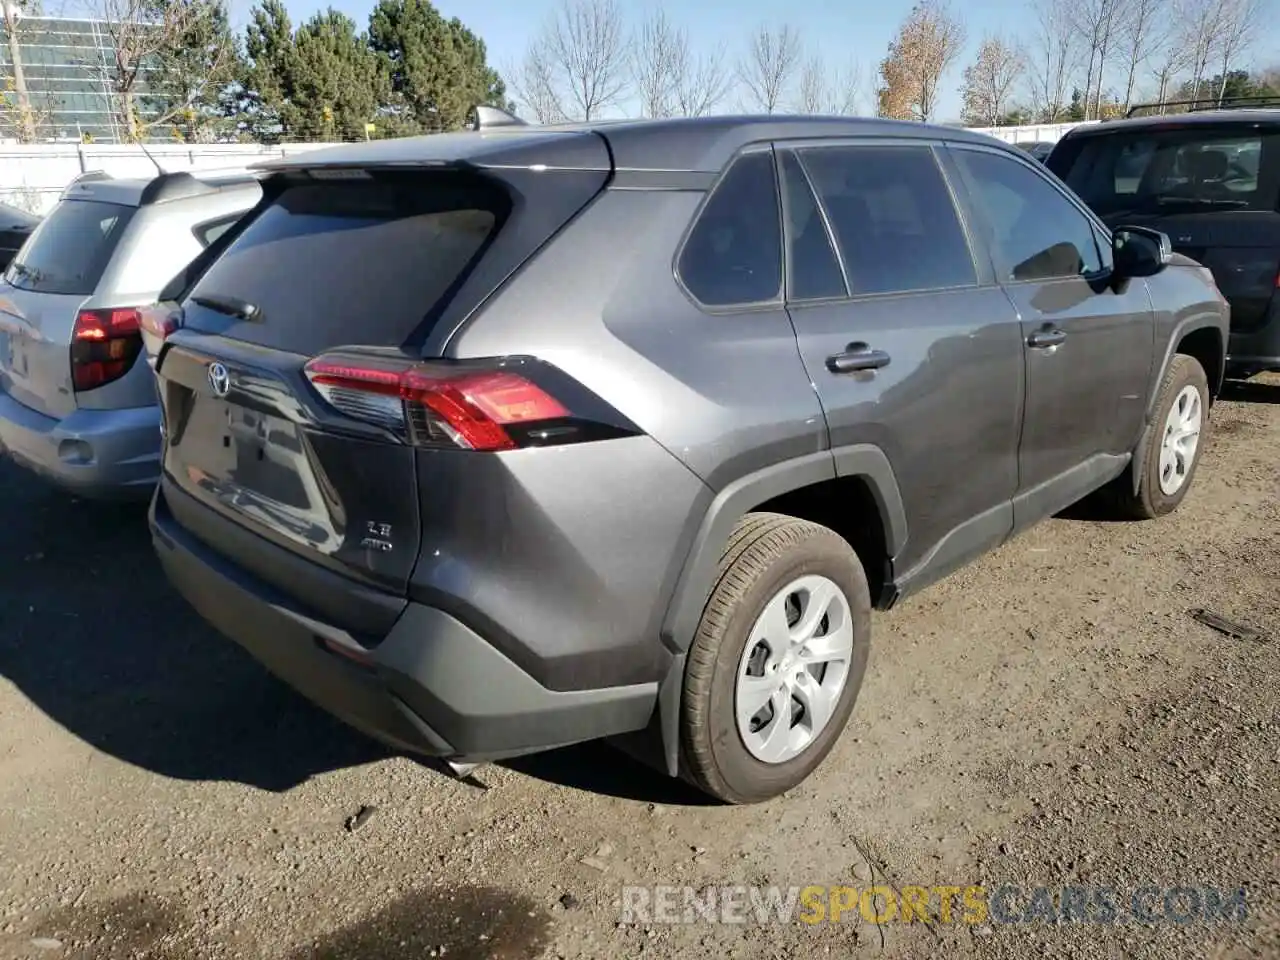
x=104 y=345
x=431 y=407
x=158 y=321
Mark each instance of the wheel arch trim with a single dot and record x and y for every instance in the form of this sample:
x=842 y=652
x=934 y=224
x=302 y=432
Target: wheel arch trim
x=1187 y=326
x=735 y=499
x=697 y=576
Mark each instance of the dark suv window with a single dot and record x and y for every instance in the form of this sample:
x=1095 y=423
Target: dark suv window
x=893 y=218
x=348 y=261
x=734 y=253
x=1158 y=171
x=70 y=250
x=1034 y=231
x=814 y=270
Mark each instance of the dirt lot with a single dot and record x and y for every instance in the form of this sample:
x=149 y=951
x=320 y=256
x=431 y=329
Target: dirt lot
x=1049 y=716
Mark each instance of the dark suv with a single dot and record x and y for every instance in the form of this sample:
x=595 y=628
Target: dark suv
x=1209 y=179
x=494 y=441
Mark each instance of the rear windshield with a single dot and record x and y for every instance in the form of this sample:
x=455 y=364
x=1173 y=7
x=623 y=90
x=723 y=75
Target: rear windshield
x=71 y=248
x=1173 y=171
x=347 y=262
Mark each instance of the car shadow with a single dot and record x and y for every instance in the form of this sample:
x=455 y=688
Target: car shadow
x=93 y=635
x=597 y=767
x=1250 y=391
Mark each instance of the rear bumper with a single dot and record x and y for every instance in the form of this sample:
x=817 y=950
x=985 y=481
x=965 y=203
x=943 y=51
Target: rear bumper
x=432 y=686
x=1257 y=350
x=110 y=454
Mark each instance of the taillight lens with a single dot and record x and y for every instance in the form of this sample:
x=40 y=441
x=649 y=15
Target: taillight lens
x=472 y=409
x=104 y=345
x=158 y=321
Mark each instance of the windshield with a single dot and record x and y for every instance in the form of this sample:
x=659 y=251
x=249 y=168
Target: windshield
x=1172 y=171
x=71 y=248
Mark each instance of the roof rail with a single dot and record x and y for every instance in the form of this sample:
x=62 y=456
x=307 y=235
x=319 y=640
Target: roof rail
x=1211 y=103
x=487 y=118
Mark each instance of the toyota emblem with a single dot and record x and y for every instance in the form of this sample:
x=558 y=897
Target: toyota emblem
x=219 y=379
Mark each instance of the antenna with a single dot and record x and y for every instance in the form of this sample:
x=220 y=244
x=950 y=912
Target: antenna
x=159 y=169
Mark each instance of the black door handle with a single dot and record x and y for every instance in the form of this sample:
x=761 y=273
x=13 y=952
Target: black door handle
x=1048 y=337
x=857 y=356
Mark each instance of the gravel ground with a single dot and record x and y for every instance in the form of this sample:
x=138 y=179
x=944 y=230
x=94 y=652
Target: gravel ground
x=1050 y=716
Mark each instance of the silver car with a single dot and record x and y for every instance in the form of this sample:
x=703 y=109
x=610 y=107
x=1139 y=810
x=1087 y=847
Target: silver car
x=77 y=405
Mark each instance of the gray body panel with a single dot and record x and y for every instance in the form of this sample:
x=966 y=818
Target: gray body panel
x=584 y=568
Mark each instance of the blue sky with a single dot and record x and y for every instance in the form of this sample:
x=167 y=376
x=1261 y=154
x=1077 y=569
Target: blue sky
x=840 y=34
x=834 y=30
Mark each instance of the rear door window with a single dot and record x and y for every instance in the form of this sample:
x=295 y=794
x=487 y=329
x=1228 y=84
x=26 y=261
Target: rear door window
x=733 y=255
x=814 y=270
x=71 y=248
x=1184 y=170
x=348 y=261
x=893 y=217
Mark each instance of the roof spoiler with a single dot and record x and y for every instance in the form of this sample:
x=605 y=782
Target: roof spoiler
x=167 y=186
x=87 y=177
x=489 y=118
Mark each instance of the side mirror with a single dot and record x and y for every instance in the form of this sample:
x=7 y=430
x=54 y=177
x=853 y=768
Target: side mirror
x=1139 y=251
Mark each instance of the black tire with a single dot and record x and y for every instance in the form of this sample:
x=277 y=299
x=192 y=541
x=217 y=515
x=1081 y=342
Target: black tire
x=764 y=553
x=1150 y=501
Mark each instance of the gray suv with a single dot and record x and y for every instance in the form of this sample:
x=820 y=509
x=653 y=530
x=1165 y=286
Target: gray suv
x=76 y=406
x=494 y=441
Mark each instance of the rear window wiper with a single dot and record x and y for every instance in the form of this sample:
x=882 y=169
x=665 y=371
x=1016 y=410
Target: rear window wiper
x=231 y=306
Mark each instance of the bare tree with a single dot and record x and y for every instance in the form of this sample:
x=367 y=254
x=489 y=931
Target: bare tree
x=142 y=33
x=1240 y=22
x=26 y=116
x=815 y=93
x=655 y=59
x=1097 y=24
x=769 y=65
x=926 y=46
x=1052 y=58
x=846 y=89
x=1201 y=34
x=1141 y=31
x=702 y=81
x=533 y=81
x=1168 y=59
x=585 y=46
x=989 y=81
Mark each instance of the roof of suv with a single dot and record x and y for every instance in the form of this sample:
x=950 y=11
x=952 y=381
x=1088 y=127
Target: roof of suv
x=164 y=188
x=683 y=144
x=1237 y=117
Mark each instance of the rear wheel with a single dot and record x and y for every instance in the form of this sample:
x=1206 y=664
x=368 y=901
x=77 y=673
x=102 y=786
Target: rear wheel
x=1172 y=451
x=777 y=661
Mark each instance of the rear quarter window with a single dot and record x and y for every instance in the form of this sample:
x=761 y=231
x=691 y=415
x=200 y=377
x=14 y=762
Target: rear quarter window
x=349 y=262
x=733 y=255
x=70 y=250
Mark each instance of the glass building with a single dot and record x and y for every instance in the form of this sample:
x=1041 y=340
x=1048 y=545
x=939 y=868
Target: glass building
x=67 y=64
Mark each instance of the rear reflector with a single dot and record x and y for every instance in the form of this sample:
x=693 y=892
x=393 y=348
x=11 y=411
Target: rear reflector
x=430 y=407
x=104 y=345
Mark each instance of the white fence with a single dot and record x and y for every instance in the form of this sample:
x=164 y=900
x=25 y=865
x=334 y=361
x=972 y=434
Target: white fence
x=32 y=176
x=1046 y=132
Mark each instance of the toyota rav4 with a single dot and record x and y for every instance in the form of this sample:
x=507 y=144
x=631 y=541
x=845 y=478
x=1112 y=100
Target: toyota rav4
x=499 y=440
